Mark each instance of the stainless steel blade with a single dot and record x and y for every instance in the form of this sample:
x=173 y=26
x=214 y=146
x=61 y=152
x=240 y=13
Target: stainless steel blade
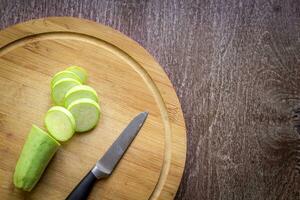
x=110 y=159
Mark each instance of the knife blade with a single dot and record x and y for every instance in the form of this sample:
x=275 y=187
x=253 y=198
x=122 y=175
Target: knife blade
x=107 y=163
x=110 y=159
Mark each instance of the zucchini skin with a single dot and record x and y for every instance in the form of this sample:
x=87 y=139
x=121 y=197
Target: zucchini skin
x=38 y=150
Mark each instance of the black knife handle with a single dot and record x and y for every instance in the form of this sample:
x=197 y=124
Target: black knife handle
x=83 y=189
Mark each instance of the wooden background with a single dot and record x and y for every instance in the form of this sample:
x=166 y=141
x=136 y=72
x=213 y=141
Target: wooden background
x=235 y=66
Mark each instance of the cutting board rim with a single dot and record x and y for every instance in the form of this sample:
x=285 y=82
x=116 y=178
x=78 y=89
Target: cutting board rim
x=172 y=137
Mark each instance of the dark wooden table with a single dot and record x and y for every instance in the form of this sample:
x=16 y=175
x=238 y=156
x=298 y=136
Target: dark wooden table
x=235 y=66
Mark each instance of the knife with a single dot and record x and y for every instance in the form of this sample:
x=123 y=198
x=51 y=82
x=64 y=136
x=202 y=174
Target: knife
x=105 y=166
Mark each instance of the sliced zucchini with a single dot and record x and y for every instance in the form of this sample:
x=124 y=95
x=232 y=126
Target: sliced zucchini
x=64 y=74
x=79 y=92
x=37 y=152
x=79 y=71
x=60 y=123
x=60 y=88
x=86 y=113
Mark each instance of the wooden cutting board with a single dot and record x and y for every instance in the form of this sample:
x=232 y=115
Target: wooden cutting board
x=128 y=81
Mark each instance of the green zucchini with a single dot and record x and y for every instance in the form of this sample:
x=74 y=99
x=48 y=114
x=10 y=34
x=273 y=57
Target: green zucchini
x=37 y=152
x=60 y=123
x=79 y=92
x=60 y=88
x=86 y=113
x=79 y=71
x=64 y=74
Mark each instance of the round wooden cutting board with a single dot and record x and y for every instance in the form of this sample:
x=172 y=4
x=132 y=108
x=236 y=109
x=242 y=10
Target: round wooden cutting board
x=128 y=81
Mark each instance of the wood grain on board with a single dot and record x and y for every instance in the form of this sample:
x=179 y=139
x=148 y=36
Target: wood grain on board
x=235 y=66
x=128 y=81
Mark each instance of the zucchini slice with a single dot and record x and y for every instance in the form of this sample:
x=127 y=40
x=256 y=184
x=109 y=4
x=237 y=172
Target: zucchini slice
x=79 y=92
x=86 y=113
x=64 y=74
x=79 y=71
x=60 y=123
x=60 y=88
